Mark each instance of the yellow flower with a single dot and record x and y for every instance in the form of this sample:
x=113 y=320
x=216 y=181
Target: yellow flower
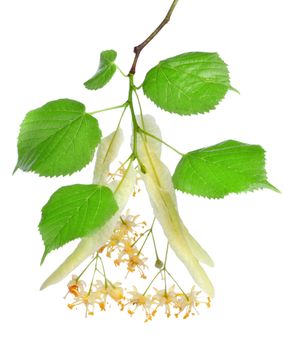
x=189 y=303
x=100 y=294
x=165 y=298
x=76 y=286
x=130 y=255
x=117 y=294
x=140 y=300
x=123 y=236
x=137 y=261
x=97 y=295
x=116 y=291
x=114 y=243
x=129 y=222
x=86 y=299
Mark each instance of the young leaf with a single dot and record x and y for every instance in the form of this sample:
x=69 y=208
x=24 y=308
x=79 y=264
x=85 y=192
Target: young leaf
x=216 y=171
x=58 y=138
x=75 y=211
x=187 y=84
x=105 y=72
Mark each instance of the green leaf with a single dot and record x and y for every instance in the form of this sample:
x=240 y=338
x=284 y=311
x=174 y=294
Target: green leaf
x=216 y=171
x=73 y=212
x=58 y=138
x=187 y=84
x=105 y=72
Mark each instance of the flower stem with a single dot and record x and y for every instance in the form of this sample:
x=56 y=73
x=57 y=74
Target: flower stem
x=153 y=240
x=104 y=272
x=148 y=231
x=94 y=272
x=93 y=259
x=164 y=268
x=174 y=280
x=151 y=282
x=166 y=255
x=141 y=235
x=154 y=245
x=144 y=242
x=125 y=174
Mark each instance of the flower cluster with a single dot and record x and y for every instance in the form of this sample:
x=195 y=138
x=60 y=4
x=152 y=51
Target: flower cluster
x=97 y=294
x=170 y=300
x=123 y=242
x=122 y=245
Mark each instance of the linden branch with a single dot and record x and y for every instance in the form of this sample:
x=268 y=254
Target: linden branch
x=138 y=49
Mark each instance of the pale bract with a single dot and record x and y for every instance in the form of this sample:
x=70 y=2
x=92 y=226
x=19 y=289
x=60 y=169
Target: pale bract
x=162 y=196
x=107 y=153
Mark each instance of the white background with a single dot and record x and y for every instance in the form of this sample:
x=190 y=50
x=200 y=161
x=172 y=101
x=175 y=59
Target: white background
x=48 y=48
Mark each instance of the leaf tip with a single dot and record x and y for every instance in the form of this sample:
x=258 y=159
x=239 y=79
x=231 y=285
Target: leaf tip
x=87 y=85
x=44 y=256
x=234 y=89
x=273 y=188
x=15 y=169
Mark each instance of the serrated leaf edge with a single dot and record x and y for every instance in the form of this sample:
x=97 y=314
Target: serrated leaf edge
x=68 y=173
x=266 y=185
x=230 y=88
x=46 y=252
